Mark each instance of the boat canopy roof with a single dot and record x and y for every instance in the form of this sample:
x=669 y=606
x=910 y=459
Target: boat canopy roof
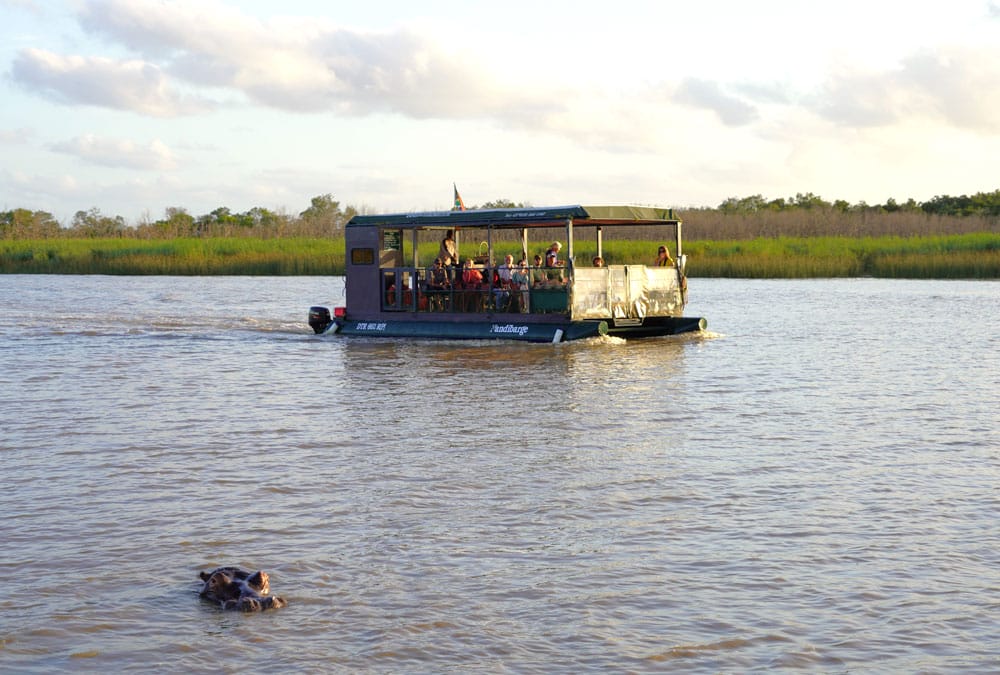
x=548 y=216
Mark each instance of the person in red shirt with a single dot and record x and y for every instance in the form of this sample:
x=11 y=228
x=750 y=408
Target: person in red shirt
x=472 y=282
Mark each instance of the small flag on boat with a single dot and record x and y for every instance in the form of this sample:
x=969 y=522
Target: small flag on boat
x=459 y=204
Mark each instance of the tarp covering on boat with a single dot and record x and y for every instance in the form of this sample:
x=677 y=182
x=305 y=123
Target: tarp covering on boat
x=625 y=291
x=634 y=214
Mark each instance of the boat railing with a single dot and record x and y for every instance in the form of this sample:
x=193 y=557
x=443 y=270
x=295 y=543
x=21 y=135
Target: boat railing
x=617 y=291
x=409 y=289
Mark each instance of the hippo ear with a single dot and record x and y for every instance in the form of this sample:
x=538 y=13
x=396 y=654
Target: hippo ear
x=204 y=575
x=259 y=582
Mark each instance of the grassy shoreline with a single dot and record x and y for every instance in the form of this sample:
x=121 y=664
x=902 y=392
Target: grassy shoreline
x=958 y=256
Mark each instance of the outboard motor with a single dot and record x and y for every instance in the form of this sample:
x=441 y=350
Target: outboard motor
x=319 y=319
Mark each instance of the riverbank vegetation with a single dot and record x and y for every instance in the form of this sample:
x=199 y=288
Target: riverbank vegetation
x=238 y=256
x=961 y=256
x=750 y=237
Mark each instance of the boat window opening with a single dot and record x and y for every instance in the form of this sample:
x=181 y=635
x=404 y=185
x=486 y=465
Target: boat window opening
x=397 y=289
x=362 y=256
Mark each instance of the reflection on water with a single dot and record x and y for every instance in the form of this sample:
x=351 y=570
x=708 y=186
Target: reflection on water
x=812 y=486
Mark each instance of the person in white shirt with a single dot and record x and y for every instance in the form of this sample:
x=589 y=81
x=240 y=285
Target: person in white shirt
x=501 y=291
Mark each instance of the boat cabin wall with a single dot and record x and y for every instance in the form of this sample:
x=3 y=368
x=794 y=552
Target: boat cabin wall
x=365 y=254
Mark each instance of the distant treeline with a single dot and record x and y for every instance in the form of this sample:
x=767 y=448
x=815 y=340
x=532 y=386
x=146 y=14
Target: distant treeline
x=979 y=204
x=805 y=215
x=324 y=217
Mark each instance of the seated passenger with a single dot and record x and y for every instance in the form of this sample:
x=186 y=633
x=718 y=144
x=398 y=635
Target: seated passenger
x=504 y=284
x=598 y=261
x=663 y=258
x=437 y=277
x=389 y=281
x=538 y=278
x=472 y=282
x=437 y=285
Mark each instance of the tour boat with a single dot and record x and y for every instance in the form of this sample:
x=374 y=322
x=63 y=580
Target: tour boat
x=395 y=289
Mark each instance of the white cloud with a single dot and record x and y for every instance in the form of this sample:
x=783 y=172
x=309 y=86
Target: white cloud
x=118 y=152
x=312 y=65
x=299 y=65
x=18 y=136
x=733 y=111
x=27 y=5
x=39 y=191
x=124 y=85
x=959 y=86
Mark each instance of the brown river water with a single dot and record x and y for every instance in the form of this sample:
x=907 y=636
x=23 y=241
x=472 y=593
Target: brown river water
x=812 y=486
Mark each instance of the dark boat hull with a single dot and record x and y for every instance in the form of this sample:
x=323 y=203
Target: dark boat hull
x=513 y=330
x=655 y=326
x=471 y=330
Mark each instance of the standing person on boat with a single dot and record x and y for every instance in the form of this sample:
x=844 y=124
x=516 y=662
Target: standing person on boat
x=663 y=258
x=555 y=277
x=449 y=253
x=520 y=278
x=552 y=255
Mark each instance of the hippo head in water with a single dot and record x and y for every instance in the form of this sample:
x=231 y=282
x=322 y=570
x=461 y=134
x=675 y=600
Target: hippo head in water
x=234 y=588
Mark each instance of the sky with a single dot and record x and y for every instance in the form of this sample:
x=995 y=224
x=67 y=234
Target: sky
x=136 y=106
